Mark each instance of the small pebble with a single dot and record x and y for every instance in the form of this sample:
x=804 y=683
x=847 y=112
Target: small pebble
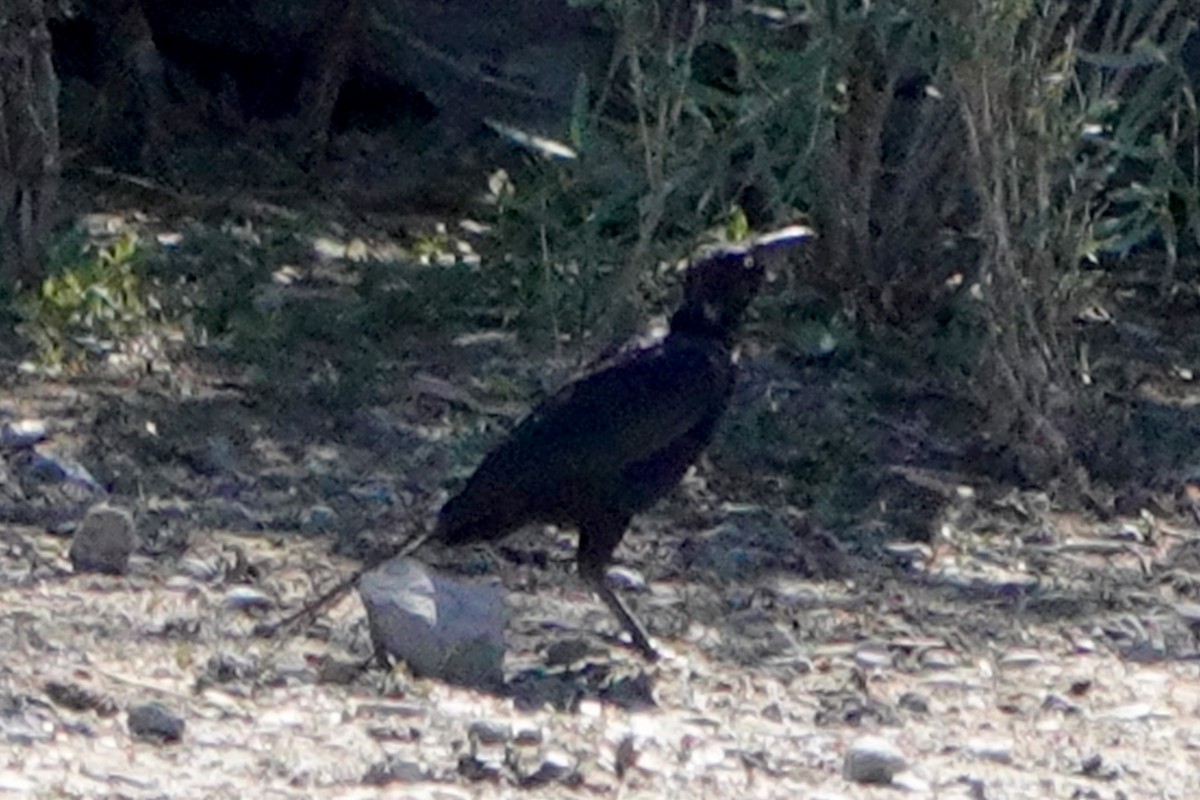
x=996 y=750
x=1021 y=658
x=529 y=737
x=916 y=703
x=22 y=432
x=488 y=732
x=626 y=579
x=155 y=722
x=567 y=652
x=317 y=519
x=873 y=658
x=556 y=766
x=199 y=569
x=395 y=770
x=245 y=598
x=872 y=759
x=939 y=658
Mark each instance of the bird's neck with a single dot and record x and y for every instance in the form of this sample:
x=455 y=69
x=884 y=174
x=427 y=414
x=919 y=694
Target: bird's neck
x=691 y=321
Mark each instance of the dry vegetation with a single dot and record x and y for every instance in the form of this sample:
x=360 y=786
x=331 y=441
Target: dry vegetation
x=954 y=505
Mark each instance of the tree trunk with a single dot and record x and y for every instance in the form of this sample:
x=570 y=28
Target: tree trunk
x=29 y=146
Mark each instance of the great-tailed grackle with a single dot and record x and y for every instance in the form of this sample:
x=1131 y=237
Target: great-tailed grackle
x=610 y=444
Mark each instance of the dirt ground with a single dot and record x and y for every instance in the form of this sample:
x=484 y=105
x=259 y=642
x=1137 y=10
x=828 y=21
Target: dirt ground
x=1022 y=653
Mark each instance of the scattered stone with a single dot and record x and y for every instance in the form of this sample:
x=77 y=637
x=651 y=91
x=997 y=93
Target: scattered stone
x=1135 y=712
x=872 y=759
x=556 y=767
x=561 y=654
x=1096 y=547
x=1021 y=658
x=77 y=698
x=169 y=507
x=439 y=627
x=916 y=703
x=996 y=750
x=743 y=548
x=227 y=668
x=1056 y=702
x=17 y=785
x=373 y=493
x=939 y=658
x=1190 y=614
x=394 y=733
x=155 y=722
x=247 y=598
x=910 y=553
x=222 y=512
x=1094 y=766
x=394 y=770
x=873 y=657
x=474 y=769
x=1084 y=645
x=25 y=721
x=22 y=432
x=487 y=732
x=317 y=519
x=51 y=465
x=528 y=737
x=630 y=692
x=914 y=785
x=402 y=710
x=338 y=671
x=199 y=569
x=104 y=541
x=626 y=579
x=218 y=456
x=280 y=478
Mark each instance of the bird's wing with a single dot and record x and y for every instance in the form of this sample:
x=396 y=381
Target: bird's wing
x=625 y=413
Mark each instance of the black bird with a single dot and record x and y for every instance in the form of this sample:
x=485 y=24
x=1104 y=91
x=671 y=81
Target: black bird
x=612 y=443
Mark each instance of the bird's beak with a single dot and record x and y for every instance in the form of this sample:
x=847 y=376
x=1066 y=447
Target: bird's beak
x=791 y=233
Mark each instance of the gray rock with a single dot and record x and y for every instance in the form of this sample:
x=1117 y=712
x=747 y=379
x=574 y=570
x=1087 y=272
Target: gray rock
x=222 y=512
x=51 y=465
x=22 y=432
x=991 y=749
x=627 y=579
x=155 y=722
x=556 y=766
x=746 y=545
x=245 y=598
x=440 y=627
x=104 y=541
x=489 y=732
x=395 y=770
x=560 y=654
x=317 y=519
x=872 y=759
x=529 y=737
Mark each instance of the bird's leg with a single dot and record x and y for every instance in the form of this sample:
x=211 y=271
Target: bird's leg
x=636 y=632
x=596 y=544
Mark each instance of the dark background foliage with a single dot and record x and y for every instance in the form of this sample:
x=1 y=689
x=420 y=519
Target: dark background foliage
x=1005 y=196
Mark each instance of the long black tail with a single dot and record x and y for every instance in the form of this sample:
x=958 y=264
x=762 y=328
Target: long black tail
x=310 y=609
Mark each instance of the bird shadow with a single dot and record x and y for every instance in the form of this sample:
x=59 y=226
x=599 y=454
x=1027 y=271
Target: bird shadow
x=622 y=684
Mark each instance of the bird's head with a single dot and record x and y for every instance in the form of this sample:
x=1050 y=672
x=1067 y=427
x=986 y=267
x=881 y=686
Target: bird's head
x=721 y=281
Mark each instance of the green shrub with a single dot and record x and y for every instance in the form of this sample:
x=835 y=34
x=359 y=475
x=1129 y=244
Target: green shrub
x=96 y=302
